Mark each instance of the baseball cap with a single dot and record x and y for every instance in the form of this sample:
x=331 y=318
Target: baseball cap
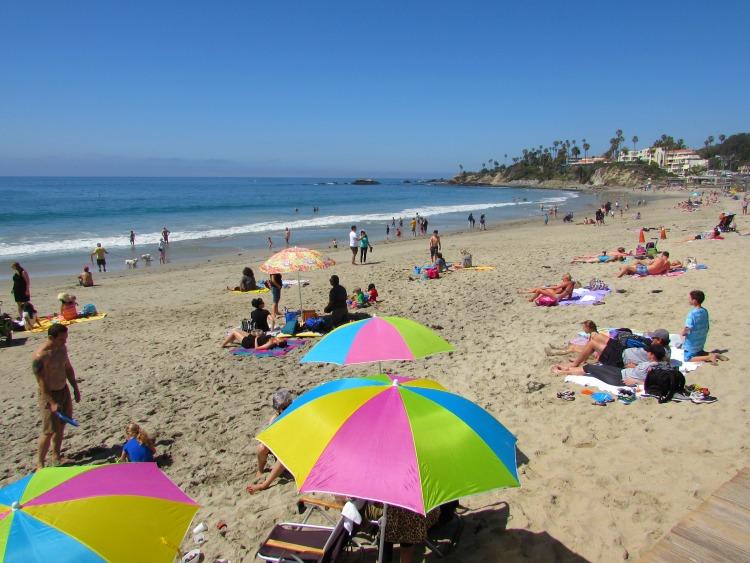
x=661 y=334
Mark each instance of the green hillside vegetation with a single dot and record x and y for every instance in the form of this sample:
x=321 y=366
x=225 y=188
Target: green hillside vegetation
x=729 y=154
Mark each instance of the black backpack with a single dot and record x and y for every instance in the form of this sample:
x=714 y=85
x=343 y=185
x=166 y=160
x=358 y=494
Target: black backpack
x=663 y=382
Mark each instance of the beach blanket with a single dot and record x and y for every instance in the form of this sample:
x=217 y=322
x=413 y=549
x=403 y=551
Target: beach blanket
x=46 y=322
x=588 y=381
x=251 y=291
x=291 y=344
x=584 y=296
x=474 y=268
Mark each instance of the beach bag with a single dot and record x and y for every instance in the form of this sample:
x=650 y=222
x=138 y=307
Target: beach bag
x=466 y=261
x=546 y=301
x=432 y=274
x=88 y=310
x=664 y=382
x=291 y=316
x=597 y=284
x=247 y=325
x=640 y=251
x=629 y=340
x=315 y=324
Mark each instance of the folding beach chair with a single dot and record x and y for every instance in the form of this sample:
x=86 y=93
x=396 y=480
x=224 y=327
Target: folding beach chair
x=307 y=543
x=725 y=225
x=443 y=537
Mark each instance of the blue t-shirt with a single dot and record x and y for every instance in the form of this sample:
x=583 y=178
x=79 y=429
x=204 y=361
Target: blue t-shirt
x=697 y=322
x=137 y=451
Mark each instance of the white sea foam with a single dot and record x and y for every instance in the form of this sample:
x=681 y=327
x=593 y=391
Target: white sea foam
x=27 y=248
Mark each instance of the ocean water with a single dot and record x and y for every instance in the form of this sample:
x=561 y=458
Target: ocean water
x=54 y=223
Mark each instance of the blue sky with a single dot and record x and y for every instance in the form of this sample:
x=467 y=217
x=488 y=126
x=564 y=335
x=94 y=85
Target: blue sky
x=304 y=87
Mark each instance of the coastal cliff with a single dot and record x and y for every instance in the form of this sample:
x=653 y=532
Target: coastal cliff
x=600 y=175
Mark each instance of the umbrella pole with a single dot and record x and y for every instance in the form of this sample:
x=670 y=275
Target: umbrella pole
x=299 y=286
x=381 y=542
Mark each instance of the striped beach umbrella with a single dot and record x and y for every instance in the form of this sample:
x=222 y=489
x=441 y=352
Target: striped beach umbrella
x=296 y=259
x=90 y=514
x=401 y=441
x=377 y=339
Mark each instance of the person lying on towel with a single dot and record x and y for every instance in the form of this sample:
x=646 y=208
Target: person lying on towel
x=632 y=374
x=656 y=267
x=562 y=290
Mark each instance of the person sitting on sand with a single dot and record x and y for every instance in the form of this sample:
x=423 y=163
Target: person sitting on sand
x=440 y=263
x=85 y=278
x=589 y=328
x=29 y=316
x=68 y=306
x=634 y=374
x=138 y=447
x=253 y=341
x=337 y=306
x=656 y=267
x=259 y=315
x=372 y=293
x=280 y=401
x=358 y=300
x=559 y=292
x=607 y=351
x=247 y=282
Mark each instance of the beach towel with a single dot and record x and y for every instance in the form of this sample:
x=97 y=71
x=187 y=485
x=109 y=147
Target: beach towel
x=306 y=334
x=291 y=344
x=290 y=283
x=588 y=381
x=251 y=291
x=584 y=296
x=474 y=268
x=46 y=322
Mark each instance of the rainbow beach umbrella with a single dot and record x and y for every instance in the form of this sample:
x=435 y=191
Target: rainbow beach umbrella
x=399 y=441
x=123 y=512
x=377 y=339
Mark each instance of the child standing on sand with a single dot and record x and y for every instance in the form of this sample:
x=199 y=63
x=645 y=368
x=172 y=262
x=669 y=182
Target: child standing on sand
x=139 y=446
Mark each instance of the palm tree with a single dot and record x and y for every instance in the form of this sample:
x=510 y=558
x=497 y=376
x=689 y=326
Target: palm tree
x=505 y=157
x=722 y=138
x=710 y=139
x=706 y=143
x=635 y=142
x=586 y=148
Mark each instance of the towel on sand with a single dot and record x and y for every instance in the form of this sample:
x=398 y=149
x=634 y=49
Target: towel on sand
x=259 y=290
x=584 y=296
x=46 y=322
x=670 y=274
x=291 y=344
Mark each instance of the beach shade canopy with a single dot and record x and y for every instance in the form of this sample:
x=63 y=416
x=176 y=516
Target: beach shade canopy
x=296 y=259
x=377 y=339
x=391 y=439
x=119 y=512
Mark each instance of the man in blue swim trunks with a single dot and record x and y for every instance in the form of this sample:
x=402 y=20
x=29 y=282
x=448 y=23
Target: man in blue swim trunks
x=656 y=267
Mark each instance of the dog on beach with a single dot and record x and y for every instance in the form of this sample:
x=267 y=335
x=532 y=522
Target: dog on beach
x=131 y=263
x=146 y=259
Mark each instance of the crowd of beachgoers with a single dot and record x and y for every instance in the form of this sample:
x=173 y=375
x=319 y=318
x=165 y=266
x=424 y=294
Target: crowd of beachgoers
x=140 y=352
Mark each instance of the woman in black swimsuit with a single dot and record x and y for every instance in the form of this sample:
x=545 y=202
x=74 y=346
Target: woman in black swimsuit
x=21 y=286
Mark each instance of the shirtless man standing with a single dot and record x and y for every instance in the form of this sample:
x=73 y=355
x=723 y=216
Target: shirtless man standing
x=53 y=372
x=434 y=245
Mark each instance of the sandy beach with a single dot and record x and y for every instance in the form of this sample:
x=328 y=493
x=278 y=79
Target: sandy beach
x=599 y=484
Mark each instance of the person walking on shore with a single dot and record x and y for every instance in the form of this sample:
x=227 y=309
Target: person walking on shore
x=482 y=223
x=162 y=252
x=434 y=245
x=413 y=225
x=132 y=238
x=21 y=287
x=100 y=253
x=546 y=218
x=354 y=243
x=270 y=243
x=53 y=372
x=165 y=235
x=471 y=220
x=287 y=236
x=387 y=231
